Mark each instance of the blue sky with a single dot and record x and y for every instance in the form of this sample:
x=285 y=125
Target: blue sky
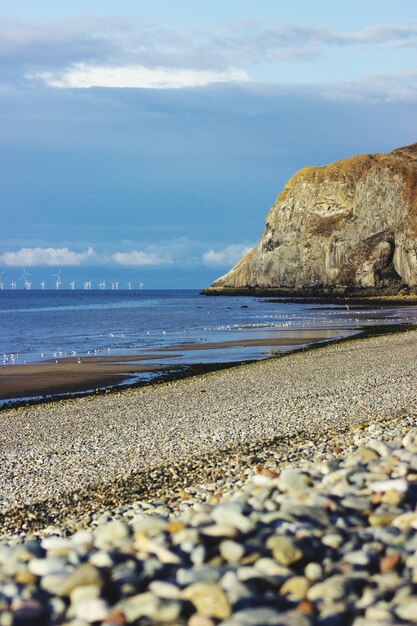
x=145 y=141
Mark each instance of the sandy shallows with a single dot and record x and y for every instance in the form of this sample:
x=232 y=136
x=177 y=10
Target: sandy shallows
x=71 y=375
x=64 y=447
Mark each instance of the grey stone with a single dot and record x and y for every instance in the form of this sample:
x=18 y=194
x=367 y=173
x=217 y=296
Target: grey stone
x=231 y=551
x=46 y=567
x=313 y=571
x=209 y=599
x=93 y=610
x=148 y=605
x=285 y=550
x=407 y=611
x=291 y=480
x=230 y=515
x=267 y=617
x=313 y=513
x=357 y=503
x=380 y=447
x=331 y=590
x=112 y=534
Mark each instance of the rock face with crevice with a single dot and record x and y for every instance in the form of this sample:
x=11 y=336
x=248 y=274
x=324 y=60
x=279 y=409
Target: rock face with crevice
x=345 y=227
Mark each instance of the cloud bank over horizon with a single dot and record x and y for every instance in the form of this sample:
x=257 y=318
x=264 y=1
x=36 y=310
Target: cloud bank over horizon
x=46 y=257
x=180 y=252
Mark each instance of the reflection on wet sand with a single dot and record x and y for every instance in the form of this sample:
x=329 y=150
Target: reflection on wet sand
x=71 y=375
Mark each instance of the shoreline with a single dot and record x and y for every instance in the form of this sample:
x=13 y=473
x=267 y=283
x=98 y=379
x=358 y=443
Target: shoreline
x=66 y=378
x=336 y=295
x=191 y=429
x=72 y=376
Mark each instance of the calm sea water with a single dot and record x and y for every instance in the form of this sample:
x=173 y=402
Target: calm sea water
x=41 y=325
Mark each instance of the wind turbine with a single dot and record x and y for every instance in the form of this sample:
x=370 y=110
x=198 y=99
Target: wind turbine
x=141 y=285
x=13 y=284
x=87 y=284
x=1 y=282
x=72 y=284
x=26 y=284
x=129 y=285
x=58 y=281
x=43 y=284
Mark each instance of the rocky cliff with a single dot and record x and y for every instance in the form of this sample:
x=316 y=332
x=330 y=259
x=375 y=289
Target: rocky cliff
x=345 y=227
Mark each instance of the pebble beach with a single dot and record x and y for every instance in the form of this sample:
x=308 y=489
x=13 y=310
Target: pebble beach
x=281 y=492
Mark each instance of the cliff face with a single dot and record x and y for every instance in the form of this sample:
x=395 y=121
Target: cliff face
x=351 y=224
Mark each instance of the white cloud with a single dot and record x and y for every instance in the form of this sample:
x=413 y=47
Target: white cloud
x=99 y=51
x=227 y=256
x=82 y=76
x=33 y=257
x=140 y=258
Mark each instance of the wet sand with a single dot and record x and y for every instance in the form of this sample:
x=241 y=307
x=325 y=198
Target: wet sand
x=68 y=375
x=45 y=379
x=303 y=337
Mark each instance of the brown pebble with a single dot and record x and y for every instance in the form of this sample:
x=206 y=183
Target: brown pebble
x=376 y=498
x=175 y=526
x=250 y=558
x=382 y=519
x=392 y=496
x=305 y=607
x=329 y=505
x=266 y=472
x=389 y=562
x=116 y=618
x=25 y=578
x=338 y=450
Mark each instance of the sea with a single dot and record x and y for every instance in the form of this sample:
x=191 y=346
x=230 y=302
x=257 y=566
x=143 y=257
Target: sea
x=37 y=325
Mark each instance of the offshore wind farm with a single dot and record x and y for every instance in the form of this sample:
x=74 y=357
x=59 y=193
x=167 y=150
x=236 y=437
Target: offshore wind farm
x=56 y=282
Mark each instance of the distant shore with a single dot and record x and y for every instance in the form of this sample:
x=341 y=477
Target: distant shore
x=324 y=295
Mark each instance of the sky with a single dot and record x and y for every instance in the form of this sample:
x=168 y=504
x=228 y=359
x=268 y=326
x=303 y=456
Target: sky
x=145 y=141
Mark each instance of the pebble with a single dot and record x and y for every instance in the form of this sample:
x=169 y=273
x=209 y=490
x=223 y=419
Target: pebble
x=148 y=605
x=291 y=480
x=333 y=589
x=284 y=549
x=92 y=610
x=397 y=484
x=209 y=599
x=267 y=617
x=231 y=551
x=115 y=533
x=295 y=588
x=407 y=610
